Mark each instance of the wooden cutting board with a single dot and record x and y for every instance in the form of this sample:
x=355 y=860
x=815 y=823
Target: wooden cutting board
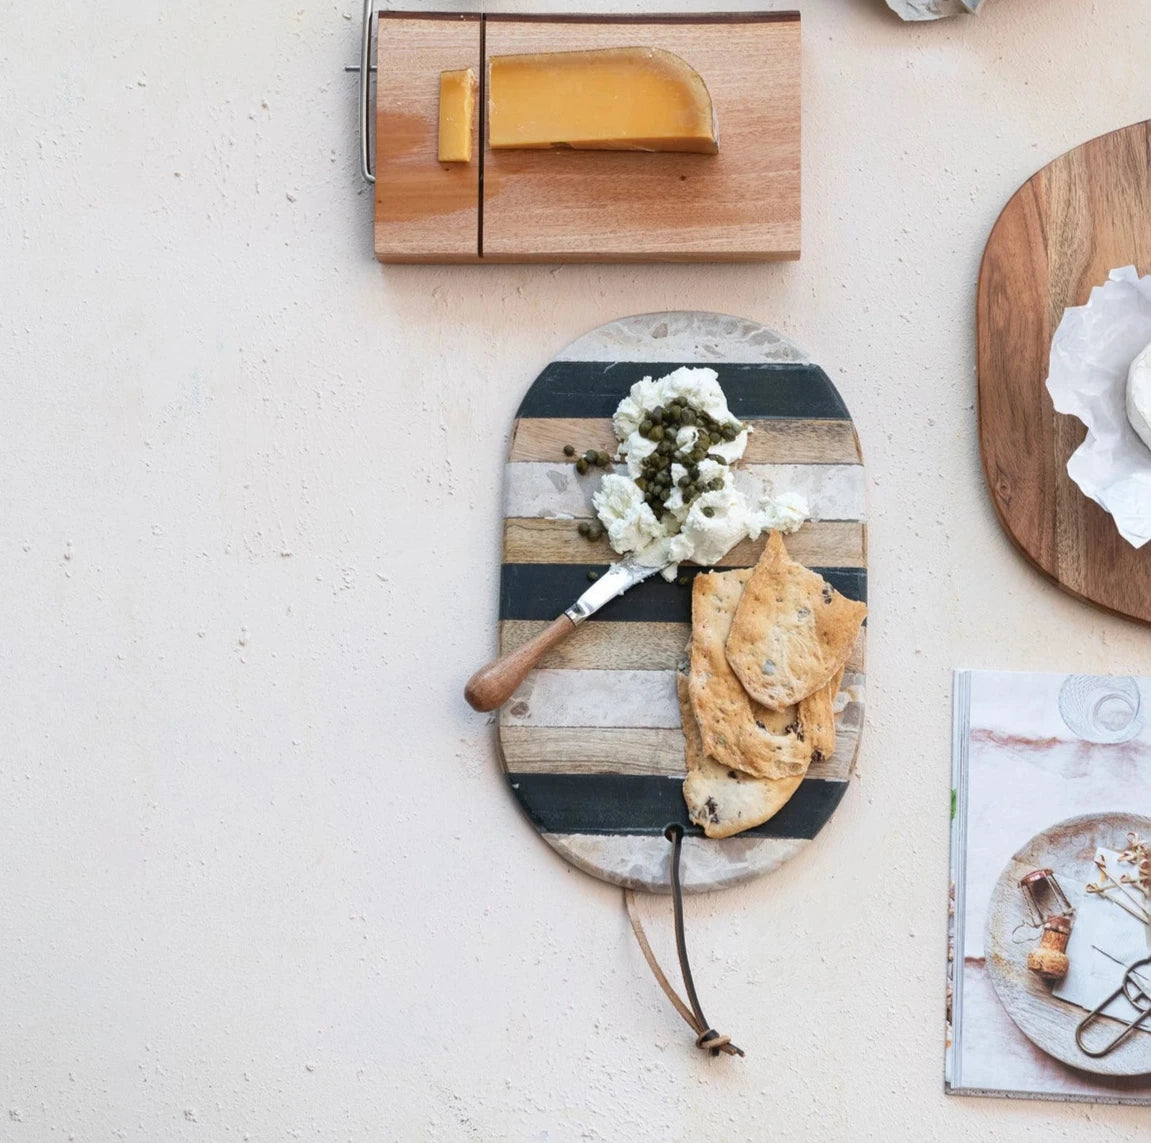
x=591 y=743
x=1062 y=232
x=742 y=204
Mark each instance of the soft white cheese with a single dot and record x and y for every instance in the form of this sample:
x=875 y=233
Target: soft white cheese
x=685 y=531
x=712 y=537
x=628 y=519
x=1139 y=396
x=785 y=513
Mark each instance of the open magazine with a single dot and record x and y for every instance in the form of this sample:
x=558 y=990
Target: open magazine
x=1049 y=973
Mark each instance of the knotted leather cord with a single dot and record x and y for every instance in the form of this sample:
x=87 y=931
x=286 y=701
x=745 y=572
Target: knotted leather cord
x=706 y=1037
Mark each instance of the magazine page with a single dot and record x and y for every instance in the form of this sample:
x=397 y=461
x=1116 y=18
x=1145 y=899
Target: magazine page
x=1050 y=842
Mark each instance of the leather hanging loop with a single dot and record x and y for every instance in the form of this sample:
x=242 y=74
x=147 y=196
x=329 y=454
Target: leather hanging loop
x=706 y=1038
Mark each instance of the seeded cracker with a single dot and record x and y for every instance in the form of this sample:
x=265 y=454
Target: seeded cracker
x=721 y=800
x=792 y=631
x=737 y=732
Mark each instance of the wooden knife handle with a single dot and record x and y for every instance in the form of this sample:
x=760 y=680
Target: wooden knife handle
x=491 y=686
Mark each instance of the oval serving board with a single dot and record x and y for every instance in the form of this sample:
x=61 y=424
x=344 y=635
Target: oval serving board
x=1061 y=233
x=591 y=742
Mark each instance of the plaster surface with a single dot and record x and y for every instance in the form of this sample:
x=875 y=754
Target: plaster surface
x=259 y=876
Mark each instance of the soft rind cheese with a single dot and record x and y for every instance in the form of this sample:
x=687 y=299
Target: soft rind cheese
x=457 y=115
x=610 y=99
x=1139 y=395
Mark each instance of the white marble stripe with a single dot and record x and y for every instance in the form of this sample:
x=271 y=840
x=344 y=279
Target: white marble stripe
x=594 y=698
x=684 y=335
x=610 y=698
x=640 y=862
x=833 y=491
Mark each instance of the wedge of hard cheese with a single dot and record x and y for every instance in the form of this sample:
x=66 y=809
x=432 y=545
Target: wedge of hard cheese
x=457 y=115
x=611 y=99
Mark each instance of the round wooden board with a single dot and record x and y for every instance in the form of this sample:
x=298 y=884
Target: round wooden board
x=1062 y=233
x=1048 y=1022
x=591 y=743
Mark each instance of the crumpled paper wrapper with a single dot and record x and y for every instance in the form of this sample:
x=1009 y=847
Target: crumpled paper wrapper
x=1091 y=354
x=932 y=9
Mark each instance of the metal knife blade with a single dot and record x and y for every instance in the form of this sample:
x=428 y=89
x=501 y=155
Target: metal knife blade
x=615 y=581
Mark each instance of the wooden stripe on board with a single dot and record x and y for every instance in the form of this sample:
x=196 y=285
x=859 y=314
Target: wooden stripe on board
x=620 y=750
x=594 y=388
x=832 y=491
x=623 y=646
x=603 y=698
x=643 y=804
x=770 y=442
x=543 y=591
x=537 y=540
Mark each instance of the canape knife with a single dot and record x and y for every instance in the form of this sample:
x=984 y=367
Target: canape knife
x=491 y=686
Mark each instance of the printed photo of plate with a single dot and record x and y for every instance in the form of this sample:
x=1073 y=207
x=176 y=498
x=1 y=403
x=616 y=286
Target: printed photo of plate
x=1069 y=849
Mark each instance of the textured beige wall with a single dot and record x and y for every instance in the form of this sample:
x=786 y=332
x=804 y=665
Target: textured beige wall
x=260 y=877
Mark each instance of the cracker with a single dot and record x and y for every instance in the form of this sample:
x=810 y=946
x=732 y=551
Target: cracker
x=792 y=631
x=738 y=733
x=721 y=800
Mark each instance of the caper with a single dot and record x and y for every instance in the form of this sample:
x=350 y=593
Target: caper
x=656 y=415
x=584 y=527
x=602 y=459
x=593 y=575
x=581 y=466
x=569 y=450
x=708 y=511
x=666 y=447
x=645 y=428
x=595 y=532
x=693 y=471
x=715 y=485
x=717 y=458
x=688 y=417
x=715 y=438
x=684 y=481
x=641 y=483
x=698 y=454
x=689 y=492
x=683 y=580
x=656 y=433
x=590 y=455
x=729 y=432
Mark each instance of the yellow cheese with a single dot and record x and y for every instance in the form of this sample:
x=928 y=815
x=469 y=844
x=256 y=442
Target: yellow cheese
x=612 y=99
x=457 y=115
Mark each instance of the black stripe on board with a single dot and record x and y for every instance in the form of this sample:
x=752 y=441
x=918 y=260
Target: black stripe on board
x=627 y=804
x=595 y=388
x=543 y=591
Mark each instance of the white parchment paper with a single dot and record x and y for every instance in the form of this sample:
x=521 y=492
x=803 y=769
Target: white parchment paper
x=1091 y=353
x=932 y=9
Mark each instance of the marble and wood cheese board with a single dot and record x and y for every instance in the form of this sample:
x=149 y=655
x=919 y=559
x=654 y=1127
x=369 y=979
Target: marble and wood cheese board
x=1083 y=215
x=742 y=204
x=591 y=743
